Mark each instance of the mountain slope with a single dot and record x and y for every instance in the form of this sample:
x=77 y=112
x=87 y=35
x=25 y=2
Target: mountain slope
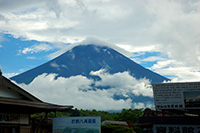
x=83 y=59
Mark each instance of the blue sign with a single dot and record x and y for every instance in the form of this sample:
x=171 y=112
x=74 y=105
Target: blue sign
x=77 y=124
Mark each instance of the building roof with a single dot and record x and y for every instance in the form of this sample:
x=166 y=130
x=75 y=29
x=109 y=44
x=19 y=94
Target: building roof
x=9 y=105
x=181 y=120
x=121 y=123
x=15 y=99
x=181 y=117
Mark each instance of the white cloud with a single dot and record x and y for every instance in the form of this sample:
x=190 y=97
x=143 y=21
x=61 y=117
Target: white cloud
x=175 y=29
x=31 y=57
x=54 y=64
x=135 y=48
x=76 y=90
x=139 y=105
x=177 y=70
x=9 y=75
x=1 y=46
x=36 y=48
x=183 y=74
x=90 y=40
x=153 y=58
x=20 y=5
x=164 y=64
x=124 y=83
x=186 y=75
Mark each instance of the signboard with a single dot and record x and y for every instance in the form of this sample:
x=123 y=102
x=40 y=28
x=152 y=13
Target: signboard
x=11 y=118
x=77 y=124
x=177 y=95
x=176 y=128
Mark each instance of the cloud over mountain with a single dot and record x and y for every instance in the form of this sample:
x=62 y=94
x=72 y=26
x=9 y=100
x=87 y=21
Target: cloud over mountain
x=77 y=90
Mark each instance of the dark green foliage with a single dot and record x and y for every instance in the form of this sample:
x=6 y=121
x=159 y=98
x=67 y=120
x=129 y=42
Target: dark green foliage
x=137 y=129
x=128 y=115
x=51 y=114
x=115 y=129
x=76 y=112
x=104 y=115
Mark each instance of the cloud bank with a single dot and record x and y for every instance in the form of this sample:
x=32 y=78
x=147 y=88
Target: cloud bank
x=77 y=90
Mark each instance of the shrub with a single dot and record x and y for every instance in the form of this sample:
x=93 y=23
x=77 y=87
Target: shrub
x=137 y=129
x=115 y=129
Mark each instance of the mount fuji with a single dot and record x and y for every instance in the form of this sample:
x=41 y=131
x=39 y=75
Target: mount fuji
x=83 y=59
x=94 y=63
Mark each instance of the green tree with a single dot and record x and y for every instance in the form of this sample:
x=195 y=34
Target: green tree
x=137 y=129
x=76 y=112
x=129 y=115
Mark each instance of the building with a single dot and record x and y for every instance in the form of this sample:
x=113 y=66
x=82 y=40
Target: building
x=16 y=106
x=177 y=109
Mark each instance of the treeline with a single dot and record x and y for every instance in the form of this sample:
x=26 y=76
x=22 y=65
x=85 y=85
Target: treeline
x=128 y=115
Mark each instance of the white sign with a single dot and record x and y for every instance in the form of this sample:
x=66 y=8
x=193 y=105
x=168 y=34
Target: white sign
x=9 y=118
x=12 y=118
x=176 y=128
x=77 y=124
x=177 y=95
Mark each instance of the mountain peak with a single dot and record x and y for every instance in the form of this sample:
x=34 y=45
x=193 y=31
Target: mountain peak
x=91 y=41
x=82 y=59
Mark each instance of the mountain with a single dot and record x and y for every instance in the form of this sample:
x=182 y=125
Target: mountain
x=127 y=91
x=83 y=59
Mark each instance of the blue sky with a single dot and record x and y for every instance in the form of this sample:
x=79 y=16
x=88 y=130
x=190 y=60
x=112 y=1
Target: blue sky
x=15 y=57
x=162 y=36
